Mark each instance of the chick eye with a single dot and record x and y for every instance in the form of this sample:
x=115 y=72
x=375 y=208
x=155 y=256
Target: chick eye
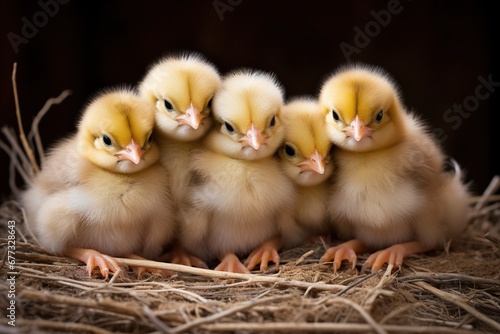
x=380 y=115
x=335 y=115
x=168 y=106
x=106 y=140
x=272 y=123
x=290 y=151
x=331 y=150
x=150 y=138
x=209 y=104
x=229 y=127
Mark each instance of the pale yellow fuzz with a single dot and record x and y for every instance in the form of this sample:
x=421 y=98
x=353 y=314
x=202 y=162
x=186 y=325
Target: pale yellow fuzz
x=389 y=187
x=306 y=134
x=238 y=197
x=86 y=197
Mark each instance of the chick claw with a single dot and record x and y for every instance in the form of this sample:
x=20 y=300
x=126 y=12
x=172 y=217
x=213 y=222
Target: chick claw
x=139 y=270
x=92 y=259
x=338 y=254
x=231 y=263
x=183 y=257
x=264 y=254
x=393 y=255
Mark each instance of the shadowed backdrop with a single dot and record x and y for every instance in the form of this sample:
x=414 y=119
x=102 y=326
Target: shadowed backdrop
x=441 y=55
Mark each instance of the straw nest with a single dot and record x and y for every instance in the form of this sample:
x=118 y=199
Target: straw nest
x=456 y=290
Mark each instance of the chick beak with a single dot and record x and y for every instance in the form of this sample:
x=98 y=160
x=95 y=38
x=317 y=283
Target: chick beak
x=132 y=152
x=191 y=117
x=316 y=163
x=358 y=130
x=254 y=137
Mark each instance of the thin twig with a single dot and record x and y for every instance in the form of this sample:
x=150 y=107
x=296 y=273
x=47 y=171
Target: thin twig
x=214 y=317
x=104 y=304
x=490 y=189
x=34 y=134
x=157 y=322
x=288 y=327
x=22 y=135
x=368 y=318
x=67 y=327
x=460 y=303
x=251 y=278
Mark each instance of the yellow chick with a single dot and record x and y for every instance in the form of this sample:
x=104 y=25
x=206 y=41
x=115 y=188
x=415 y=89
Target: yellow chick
x=390 y=189
x=238 y=190
x=181 y=89
x=305 y=159
x=102 y=192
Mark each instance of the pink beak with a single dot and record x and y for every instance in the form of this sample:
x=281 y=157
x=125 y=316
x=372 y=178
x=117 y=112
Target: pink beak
x=132 y=152
x=254 y=137
x=316 y=163
x=358 y=130
x=192 y=117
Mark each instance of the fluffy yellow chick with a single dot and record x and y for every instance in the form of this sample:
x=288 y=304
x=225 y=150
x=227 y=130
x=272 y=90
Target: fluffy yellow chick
x=102 y=192
x=238 y=190
x=305 y=159
x=390 y=189
x=181 y=89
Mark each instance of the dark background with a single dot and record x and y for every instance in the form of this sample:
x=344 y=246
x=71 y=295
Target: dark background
x=435 y=51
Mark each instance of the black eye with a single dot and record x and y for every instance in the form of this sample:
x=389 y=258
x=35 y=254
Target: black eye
x=168 y=105
x=331 y=150
x=289 y=151
x=272 y=123
x=380 y=115
x=335 y=115
x=150 y=138
x=209 y=104
x=106 y=140
x=229 y=127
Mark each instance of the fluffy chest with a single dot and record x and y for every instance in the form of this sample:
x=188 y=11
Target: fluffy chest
x=372 y=190
x=238 y=187
x=110 y=197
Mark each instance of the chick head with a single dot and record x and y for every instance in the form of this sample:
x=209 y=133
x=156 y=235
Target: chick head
x=248 y=111
x=115 y=132
x=181 y=88
x=305 y=154
x=362 y=108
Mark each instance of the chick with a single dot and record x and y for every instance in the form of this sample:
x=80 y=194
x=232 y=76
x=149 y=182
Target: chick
x=102 y=192
x=181 y=89
x=390 y=191
x=238 y=190
x=305 y=159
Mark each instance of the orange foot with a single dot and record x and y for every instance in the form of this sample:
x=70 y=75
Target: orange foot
x=231 y=263
x=345 y=251
x=266 y=253
x=92 y=259
x=393 y=255
x=140 y=270
x=179 y=255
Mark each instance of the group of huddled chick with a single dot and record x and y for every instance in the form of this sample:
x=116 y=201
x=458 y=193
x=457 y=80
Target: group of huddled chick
x=191 y=168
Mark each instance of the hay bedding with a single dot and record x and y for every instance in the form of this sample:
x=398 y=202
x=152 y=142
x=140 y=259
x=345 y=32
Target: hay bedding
x=452 y=291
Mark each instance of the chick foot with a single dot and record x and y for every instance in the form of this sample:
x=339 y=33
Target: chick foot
x=266 y=253
x=92 y=259
x=231 y=263
x=393 y=255
x=345 y=251
x=179 y=255
x=139 y=270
